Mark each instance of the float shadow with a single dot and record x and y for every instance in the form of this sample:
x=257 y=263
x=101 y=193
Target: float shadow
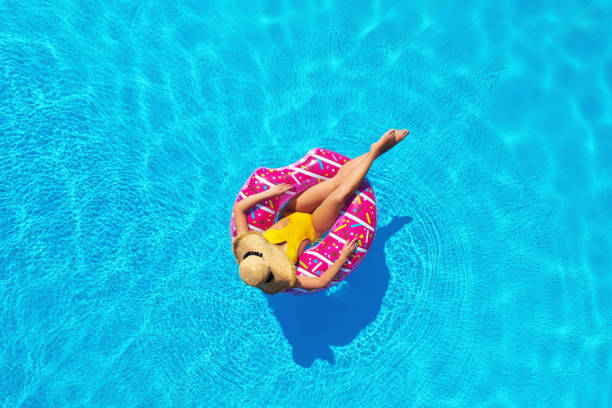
x=313 y=323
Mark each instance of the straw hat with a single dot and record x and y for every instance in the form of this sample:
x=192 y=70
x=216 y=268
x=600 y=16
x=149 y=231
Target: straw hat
x=258 y=258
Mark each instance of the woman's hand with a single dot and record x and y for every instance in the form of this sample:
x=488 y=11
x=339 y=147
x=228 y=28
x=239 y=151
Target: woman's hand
x=279 y=189
x=326 y=277
x=349 y=248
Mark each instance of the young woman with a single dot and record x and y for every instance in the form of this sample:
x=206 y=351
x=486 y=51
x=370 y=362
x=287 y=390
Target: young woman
x=267 y=260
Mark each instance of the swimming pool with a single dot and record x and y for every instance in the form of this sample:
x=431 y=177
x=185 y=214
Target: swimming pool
x=127 y=128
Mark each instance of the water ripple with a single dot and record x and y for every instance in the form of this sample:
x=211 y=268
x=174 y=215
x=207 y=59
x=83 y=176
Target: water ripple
x=126 y=129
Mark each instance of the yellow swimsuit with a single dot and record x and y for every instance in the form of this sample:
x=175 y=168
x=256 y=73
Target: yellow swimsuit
x=298 y=229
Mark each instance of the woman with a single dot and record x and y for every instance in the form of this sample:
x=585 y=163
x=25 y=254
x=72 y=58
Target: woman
x=268 y=261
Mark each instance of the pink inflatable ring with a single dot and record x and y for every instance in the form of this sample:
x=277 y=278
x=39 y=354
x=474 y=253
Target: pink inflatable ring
x=358 y=218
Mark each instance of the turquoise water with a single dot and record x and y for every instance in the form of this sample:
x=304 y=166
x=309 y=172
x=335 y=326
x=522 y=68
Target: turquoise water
x=127 y=128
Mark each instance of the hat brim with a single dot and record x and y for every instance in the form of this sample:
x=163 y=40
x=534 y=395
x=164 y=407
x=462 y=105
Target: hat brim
x=283 y=270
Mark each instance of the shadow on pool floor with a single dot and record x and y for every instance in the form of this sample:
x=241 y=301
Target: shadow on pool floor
x=313 y=323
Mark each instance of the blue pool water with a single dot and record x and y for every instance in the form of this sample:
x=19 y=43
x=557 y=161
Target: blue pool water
x=127 y=128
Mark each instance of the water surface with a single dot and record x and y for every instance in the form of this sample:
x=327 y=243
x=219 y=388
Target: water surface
x=127 y=128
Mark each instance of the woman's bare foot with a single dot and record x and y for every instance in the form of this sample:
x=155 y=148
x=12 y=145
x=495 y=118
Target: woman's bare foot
x=399 y=135
x=388 y=140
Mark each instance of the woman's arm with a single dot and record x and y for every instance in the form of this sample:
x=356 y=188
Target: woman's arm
x=323 y=280
x=327 y=276
x=241 y=206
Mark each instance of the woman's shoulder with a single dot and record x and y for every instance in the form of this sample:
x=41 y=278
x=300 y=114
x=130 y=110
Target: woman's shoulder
x=280 y=224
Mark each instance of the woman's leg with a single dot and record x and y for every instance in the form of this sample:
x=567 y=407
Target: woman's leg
x=324 y=216
x=314 y=196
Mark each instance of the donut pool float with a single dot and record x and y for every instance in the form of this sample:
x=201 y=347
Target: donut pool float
x=358 y=217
